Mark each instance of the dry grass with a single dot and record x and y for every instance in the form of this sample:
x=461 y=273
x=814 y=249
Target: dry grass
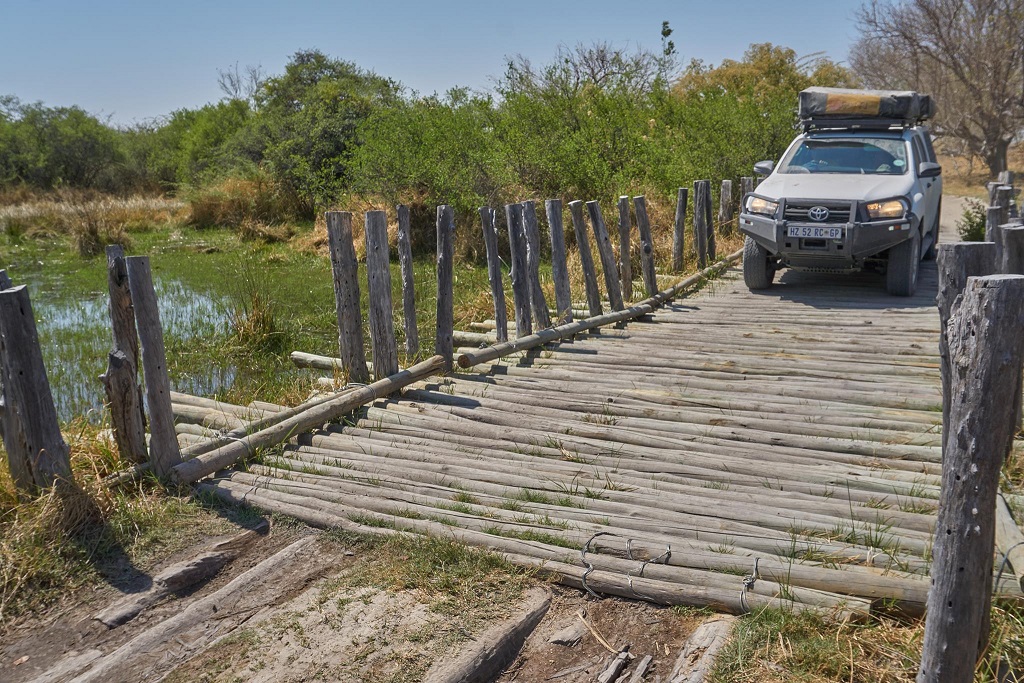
x=89 y=219
x=65 y=539
x=235 y=202
x=966 y=176
x=778 y=647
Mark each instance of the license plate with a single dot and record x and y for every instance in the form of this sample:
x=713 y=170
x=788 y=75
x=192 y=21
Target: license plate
x=815 y=232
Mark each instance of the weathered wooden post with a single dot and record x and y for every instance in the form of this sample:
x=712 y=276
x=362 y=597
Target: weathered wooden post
x=725 y=213
x=956 y=263
x=559 y=265
x=163 y=443
x=124 y=395
x=604 y=249
x=679 y=231
x=412 y=335
x=625 y=264
x=701 y=211
x=710 y=223
x=1004 y=196
x=579 y=227
x=487 y=222
x=991 y=221
x=443 y=343
x=37 y=455
x=986 y=352
x=346 y=295
x=378 y=282
x=532 y=231
x=1011 y=254
x=646 y=246
x=520 y=281
x=746 y=187
x=5 y=415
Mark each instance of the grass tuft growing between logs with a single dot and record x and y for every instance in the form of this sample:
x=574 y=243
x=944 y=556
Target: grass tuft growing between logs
x=775 y=646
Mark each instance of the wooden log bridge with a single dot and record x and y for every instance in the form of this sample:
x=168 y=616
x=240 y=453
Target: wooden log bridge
x=731 y=449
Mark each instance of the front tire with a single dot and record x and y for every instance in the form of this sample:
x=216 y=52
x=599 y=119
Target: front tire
x=758 y=273
x=904 y=261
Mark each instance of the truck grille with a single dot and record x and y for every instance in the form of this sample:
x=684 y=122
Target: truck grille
x=799 y=212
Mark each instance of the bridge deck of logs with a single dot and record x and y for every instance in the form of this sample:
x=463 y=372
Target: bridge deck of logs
x=736 y=449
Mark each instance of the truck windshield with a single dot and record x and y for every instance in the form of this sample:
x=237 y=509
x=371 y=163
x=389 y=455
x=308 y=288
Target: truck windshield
x=862 y=155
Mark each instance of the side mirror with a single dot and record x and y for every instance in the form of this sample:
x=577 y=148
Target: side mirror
x=766 y=167
x=928 y=169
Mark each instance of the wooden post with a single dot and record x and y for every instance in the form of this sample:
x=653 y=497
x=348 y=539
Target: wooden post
x=956 y=263
x=1003 y=198
x=701 y=209
x=532 y=231
x=646 y=246
x=520 y=281
x=991 y=221
x=124 y=395
x=725 y=213
x=1011 y=246
x=579 y=226
x=494 y=272
x=679 y=231
x=378 y=280
x=443 y=344
x=625 y=258
x=710 y=223
x=36 y=451
x=346 y=295
x=604 y=249
x=5 y=415
x=559 y=266
x=746 y=187
x=412 y=335
x=163 y=444
x=987 y=353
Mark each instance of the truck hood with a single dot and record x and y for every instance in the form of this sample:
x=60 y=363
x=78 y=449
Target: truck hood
x=835 y=186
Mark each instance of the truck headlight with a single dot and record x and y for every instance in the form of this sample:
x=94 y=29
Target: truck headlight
x=763 y=207
x=893 y=208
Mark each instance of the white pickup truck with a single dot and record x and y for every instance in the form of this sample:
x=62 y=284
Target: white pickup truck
x=859 y=189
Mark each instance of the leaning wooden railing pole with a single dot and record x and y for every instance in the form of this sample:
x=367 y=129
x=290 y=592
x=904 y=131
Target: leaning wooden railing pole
x=308 y=420
x=468 y=360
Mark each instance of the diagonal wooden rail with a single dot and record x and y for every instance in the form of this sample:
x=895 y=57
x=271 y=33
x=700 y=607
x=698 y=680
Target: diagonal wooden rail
x=791 y=436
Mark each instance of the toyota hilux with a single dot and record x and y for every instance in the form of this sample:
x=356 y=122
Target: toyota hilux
x=858 y=189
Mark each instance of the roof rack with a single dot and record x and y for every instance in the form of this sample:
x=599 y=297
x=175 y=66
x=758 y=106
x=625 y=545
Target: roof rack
x=855 y=123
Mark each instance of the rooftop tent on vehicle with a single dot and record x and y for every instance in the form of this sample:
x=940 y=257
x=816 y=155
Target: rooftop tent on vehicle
x=840 y=107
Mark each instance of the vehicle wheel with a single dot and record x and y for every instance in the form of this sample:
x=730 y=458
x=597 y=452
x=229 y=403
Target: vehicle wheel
x=904 y=260
x=929 y=254
x=758 y=273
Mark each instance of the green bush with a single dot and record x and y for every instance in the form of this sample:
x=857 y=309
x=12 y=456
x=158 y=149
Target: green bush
x=971 y=224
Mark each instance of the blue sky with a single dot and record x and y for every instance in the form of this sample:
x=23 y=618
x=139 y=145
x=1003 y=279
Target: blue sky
x=135 y=60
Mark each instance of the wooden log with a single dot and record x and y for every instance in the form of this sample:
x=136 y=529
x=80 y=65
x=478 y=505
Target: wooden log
x=640 y=672
x=559 y=264
x=710 y=223
x=646 y=246
x=490 y=230
x=625 y=258
x=679 y=231
x=241 y=412
x=701 y=209
x=956 y=263
x=378 y=275
x=643 y=308
x=615 y=666
x=163 y=445
x=346 y=295
x=412 y=335
x=604 y=249
x=991 y=221
x=180 y=576
x=9 y=425
x=37 y=455
x=127 y=411
x=520 y=278
x=124 y=402
x=332 y=409
x=531 y=230
x=586 y=258
x=490 y=653
x=1009 y=542
x=987 y=353
x=443 y=345
x=725 y=209
x=697 y=658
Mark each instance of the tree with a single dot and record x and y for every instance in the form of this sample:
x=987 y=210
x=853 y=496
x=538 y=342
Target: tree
x=969 y=54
